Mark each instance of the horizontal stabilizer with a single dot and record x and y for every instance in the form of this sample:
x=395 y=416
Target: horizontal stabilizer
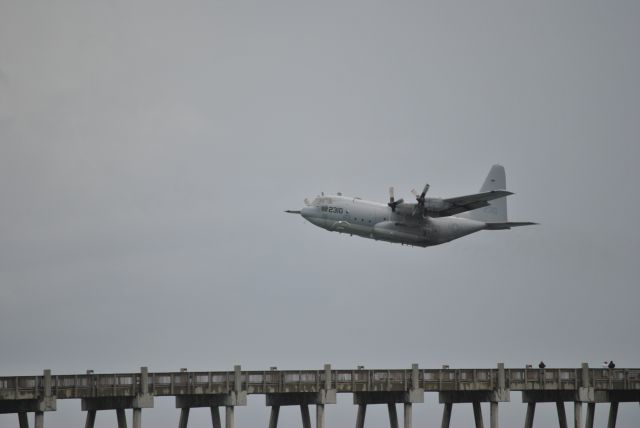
x=508 y=225
x=461 y=204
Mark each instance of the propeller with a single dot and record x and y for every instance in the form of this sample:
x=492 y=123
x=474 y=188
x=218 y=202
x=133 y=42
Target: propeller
x=392 y=202
x=420 y=198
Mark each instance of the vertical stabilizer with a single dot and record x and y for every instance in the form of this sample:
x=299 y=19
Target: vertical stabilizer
x=496 y=212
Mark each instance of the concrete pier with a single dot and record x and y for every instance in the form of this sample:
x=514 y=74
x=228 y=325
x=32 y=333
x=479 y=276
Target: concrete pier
x=412 y=393
x=302 y=399
x=591 y=386
x=139 y=399
x=201 y=398
x=500 y=393
x=42 y=401
x=22 y=395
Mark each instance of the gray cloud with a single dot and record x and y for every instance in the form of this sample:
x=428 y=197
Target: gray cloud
x=147 y=151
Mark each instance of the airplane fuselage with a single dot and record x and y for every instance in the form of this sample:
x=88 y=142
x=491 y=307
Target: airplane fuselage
x=378 y=221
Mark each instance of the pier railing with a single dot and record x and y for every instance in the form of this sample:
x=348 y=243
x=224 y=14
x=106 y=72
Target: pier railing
x=295 y=381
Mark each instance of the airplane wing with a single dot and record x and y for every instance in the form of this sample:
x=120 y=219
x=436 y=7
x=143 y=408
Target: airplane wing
x=460 y=204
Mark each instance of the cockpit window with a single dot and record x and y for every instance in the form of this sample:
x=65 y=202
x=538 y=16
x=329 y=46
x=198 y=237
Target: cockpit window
x=322 y=200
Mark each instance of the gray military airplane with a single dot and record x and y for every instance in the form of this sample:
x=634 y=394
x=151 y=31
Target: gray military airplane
x=426 y=222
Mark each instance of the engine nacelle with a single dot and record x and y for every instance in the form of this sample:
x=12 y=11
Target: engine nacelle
x=435 y=204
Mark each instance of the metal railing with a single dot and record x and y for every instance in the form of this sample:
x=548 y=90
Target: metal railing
x=344 y=381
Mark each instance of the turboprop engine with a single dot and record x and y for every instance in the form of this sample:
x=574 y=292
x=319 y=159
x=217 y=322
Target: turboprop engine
x=434 y=205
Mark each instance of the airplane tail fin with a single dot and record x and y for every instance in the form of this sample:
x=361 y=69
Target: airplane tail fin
x=496 y=211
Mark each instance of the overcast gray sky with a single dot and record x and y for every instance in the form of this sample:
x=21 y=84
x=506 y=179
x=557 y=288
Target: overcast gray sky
x=149 y=148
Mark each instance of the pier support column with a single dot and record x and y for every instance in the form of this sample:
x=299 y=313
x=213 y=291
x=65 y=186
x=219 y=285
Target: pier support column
x=408 y=415
x=273 y=419
x=531 y=411
x=122 y=420
x=577 y=414
x=393 y=415
x=562 y=415
x=91 y=419
x=591 y=410
x=446 y=415
x=613 y=415
x=493 y=414
x=319 y=415
x=38 y=420
x=137 y=418
x=306 y=419
x=215 y=417
x=362 y=411
x=477 y=414
x=584 y=394
x=184 y=417
x=229 y=419
x=22 y=420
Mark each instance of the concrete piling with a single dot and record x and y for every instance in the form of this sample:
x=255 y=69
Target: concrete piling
x=306 y=419
x=493 y=414
x=591 y=410
x=23 y=420
x=320 y=422
x=273 y=418
x=122 y=420
x=577 y=414
x=184 y=417
x=393 y=415
x=408 y=415
x=215 y=417
x=613 y=415
x=446 y=415
x=477 y=415
x=562 y=415
x=531 y=410
x=362 y=412
x=229 y=417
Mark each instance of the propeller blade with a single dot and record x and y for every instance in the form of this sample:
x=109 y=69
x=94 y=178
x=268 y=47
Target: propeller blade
x=392 y=201
x=424 y=191
x=420 y=198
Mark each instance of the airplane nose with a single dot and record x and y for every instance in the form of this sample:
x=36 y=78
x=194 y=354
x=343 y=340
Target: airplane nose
x=307 y=212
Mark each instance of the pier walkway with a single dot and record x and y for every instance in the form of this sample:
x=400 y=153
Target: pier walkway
x=229 y=389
